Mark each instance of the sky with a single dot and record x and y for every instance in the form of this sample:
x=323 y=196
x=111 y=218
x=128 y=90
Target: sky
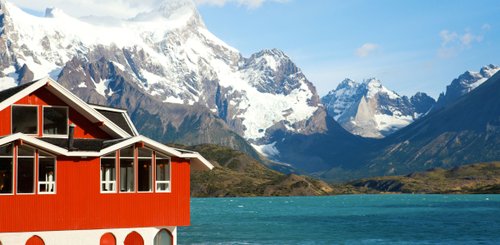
x=409 y=45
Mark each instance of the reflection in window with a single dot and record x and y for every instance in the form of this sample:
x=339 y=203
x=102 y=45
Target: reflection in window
x=145 y=174
x=25 y=119
x=46 y=173
x=55 y=120
x=25 y=170
x=162 y=173
x=108 y=173
x=6 y=169
x=127 y=171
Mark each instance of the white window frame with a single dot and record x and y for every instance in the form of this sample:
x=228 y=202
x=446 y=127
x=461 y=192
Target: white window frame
x=37 y=118
x=107 y=182
x=43 y=122
x=35 y=174
x=168 y=182
x=152 y=169
x=119 y=176
x=53 y=182
x=13 y=172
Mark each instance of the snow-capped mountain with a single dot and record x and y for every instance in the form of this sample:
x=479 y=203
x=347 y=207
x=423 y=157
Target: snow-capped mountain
x=167 y=55
x=464 y=84
x=369 y=109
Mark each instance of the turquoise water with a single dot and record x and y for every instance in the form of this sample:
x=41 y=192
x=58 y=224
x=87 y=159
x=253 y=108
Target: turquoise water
x=350 y=219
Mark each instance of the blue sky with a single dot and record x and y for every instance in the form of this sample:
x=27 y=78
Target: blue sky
x=410 y=45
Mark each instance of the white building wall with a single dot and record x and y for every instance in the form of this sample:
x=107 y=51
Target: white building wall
x=84 y=237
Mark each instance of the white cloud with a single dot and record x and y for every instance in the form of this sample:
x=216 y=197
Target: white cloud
x=121 y=8
x=452 y=43
x=366 y=49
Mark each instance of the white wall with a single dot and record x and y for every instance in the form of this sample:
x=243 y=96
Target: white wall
x=83 y=237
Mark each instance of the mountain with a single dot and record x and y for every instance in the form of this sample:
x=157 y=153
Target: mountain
x=369 y=109
x=178 y=81
x=464 y=84
x=237 y=174
x=464 y=132
x=477 y=178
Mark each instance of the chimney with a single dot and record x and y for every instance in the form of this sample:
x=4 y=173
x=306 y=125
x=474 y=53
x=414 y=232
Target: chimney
x=71 y=135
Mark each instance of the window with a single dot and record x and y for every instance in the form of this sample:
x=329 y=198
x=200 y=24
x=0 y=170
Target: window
x=127 y=170
x=162 y=173
x=25 y=119
x=46 y=173
x=145 y=170
x=108 y=173
x=163 y=237
x=25 y=170
x=55 y=120
x=6 y=169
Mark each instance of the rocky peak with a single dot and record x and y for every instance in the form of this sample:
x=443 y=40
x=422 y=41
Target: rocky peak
x=489 y=70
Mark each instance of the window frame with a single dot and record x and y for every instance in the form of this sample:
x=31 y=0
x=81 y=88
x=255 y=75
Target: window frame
x=35 y=170
x=169 y=181
x=13 y=172
x=134 y=167
x=115 y=182
x=43 y=122
x=38 y=182
x=37 y=118
x=152 y=166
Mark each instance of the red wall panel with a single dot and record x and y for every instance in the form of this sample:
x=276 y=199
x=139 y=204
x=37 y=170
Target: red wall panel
x=78 y=203
x=84 y=128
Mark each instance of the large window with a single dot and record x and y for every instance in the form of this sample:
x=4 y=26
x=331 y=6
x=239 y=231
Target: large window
x=162 y=173
x=108 y=173
x=145 y=174
x=55 y=120
x=6 y=169
x=127 y=170
x=25 y=170
x=46 y=173
x=25 y=119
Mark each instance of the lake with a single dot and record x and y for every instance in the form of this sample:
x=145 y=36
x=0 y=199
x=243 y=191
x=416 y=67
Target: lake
x=346 y=219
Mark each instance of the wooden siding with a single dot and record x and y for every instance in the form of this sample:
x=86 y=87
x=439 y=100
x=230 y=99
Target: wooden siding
x=78 y=203
x=42 y=97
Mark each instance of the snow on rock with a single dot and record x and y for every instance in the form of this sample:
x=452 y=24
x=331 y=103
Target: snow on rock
x=172 y=56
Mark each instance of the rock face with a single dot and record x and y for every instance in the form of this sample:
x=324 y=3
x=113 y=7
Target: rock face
x=371 y=110
x=163 y=65
x=464 y=84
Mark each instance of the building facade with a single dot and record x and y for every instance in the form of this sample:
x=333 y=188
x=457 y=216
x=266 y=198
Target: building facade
x=75 y=173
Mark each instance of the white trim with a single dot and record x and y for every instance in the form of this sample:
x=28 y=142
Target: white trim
x=124 y=112
x=168 y=182
x=114 y=182
x=197 y=161
x=47 y=182
x=43 y=122
x=71 y=100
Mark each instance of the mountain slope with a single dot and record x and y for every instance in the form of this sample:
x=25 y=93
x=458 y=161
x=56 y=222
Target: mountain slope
x=369 y=109
x=464 y=84
x=167 y=54
x=466 y=131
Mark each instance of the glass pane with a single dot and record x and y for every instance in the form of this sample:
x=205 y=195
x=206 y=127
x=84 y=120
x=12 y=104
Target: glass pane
x=24 y=119
x=24 y=151
x=108 y=174
x=162 y=186
x=6 y=150
x=5 y=175
x=25 y=175
x=145 y=175
x=127 y=175
x=163 y=238
x=47 y=174
x=144 y=152
x=55 y=120
x=127 y=152
x=162 y=169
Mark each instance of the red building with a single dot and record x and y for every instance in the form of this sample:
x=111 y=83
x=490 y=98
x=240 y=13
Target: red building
x=74 y=173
